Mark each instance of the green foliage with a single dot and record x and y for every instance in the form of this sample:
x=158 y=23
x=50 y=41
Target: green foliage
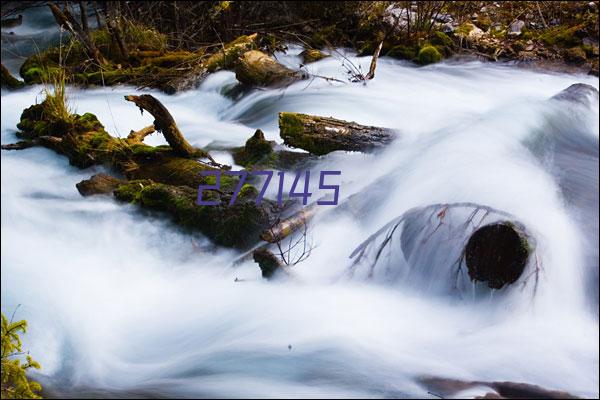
x=429 y=55
x=15 y=384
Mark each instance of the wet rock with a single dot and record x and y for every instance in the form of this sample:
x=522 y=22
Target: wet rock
x=579 y=93
x=9 y=81
x=268 y=262
x=256 y=68
x=98 y=184
x=312 y=55
x=448 y=28
x=516 y=27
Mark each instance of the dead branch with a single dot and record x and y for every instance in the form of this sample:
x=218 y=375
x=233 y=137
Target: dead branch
x=165 y=123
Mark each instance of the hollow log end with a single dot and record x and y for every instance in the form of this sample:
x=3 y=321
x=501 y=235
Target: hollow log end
x=497 y=254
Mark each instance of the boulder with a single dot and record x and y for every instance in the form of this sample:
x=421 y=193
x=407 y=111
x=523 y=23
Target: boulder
x=256 y=68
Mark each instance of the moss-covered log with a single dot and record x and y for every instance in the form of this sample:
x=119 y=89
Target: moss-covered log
x=158 y=178
x=165 y=123
x=237 y=226
x=255 y=68
x=322 y=135
x=147 y=64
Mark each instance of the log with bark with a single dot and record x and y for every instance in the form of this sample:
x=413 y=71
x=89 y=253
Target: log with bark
x=322 y=135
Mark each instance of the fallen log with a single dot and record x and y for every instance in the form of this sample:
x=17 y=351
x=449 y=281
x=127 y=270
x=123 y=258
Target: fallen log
x=322 y=135
x=146 y=66
x=462 y=248
x=286 y=227
x=165 y=123
x=255 y=68
x=157 y=178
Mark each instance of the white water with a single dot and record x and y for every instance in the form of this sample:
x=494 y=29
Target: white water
x=120 y=302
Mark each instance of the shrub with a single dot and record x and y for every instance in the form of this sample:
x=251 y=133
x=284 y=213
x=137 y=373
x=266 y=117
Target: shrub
x=15 y=384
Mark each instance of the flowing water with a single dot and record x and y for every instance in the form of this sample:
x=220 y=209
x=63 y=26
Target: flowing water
x=122 y=303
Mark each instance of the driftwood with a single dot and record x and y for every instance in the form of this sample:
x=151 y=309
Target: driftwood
x=165 y=123
x=286 y=227
x=322 y=135
x=371 y=74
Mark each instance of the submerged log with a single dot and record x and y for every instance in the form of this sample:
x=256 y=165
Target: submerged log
x=447 y=248
x=255 y=68
x=322 y=135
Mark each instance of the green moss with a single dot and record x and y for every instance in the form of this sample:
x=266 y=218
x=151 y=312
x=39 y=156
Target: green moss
x=561 y=36
x=441 y=39
x=404 y=52
x=429 y=55
x=312 y=55
x=290 y=124
x=256 y=150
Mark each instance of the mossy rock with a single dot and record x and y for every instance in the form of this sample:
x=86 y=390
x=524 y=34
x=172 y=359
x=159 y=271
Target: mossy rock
x=312 y=55
x=256 y=68
x=257 y=149
x=575 y=55
x=404 y=52
x=429 y=55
